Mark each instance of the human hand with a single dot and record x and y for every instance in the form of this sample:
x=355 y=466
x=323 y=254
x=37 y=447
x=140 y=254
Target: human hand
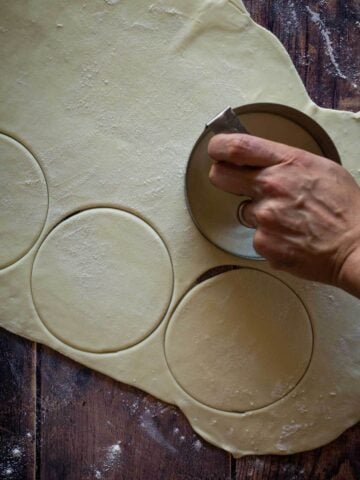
x=305 y=208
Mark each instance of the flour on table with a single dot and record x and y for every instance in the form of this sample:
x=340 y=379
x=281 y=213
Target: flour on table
x=103 y=257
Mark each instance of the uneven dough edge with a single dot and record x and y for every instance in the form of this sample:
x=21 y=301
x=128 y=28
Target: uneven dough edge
x=159 y=383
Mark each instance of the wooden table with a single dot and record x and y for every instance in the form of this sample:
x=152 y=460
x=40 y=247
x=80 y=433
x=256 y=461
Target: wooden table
x=61 y=421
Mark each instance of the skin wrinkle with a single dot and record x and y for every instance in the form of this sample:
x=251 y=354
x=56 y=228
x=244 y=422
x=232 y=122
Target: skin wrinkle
x=300 y=208
x=101 y=148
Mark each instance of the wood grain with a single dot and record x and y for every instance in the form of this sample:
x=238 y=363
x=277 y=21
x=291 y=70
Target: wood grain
x=17 y=407
x=322 y=38
x=340 y=460
x=91 y=427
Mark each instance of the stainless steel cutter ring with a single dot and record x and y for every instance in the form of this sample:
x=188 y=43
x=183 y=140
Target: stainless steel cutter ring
x=240 y=213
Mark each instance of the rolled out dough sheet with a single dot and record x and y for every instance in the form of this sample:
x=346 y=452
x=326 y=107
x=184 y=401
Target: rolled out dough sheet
x=101 y=103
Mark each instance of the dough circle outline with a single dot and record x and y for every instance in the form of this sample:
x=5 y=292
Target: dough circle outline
x=84 y=300
x=24 y=200
x=207 y=369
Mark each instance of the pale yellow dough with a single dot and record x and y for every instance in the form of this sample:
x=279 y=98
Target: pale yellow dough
x=23 y=200
x=110 y=97
x=229 y=345
x=114 y=273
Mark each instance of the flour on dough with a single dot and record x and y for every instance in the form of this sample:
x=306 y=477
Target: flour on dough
x=102 y=280
x=23 y=200
x=229 y=344
x=111 y=105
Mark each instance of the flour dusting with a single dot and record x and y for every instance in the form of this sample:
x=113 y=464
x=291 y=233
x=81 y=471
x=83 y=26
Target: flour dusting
x=14 y=457
x=197 y=445
x=293 y=20
x=16 y=452
x=111 y=459
x=149 y=424
x=113 y=452
x=165 y=10
x=315 y=17
x=287 y=431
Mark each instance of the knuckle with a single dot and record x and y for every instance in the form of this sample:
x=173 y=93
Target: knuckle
x=264 y=216
x=212 y=146
x=213 y=177
x=260 y=243
x=216 y=175
x=291 y=156
x=303 y=159
x=270 y=185
x=238 y=146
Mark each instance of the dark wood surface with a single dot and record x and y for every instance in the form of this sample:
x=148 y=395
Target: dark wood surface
x=61 y=421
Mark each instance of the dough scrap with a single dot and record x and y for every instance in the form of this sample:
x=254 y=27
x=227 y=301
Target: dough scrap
x=120 y=94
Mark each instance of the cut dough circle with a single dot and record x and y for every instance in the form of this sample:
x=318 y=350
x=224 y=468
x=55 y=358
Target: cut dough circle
x=102 y=280
x=239 y=341
x=23 y=200
x=117 y=113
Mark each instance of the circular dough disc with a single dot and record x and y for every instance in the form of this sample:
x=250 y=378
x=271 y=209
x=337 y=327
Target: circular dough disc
x=239 y=341
x=102 y=280
x=23 y=200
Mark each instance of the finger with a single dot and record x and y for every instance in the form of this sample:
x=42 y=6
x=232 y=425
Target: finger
x=279 y=217
x=233 y=179
x=264 y=214
x=247 y=150
x=280 y=254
